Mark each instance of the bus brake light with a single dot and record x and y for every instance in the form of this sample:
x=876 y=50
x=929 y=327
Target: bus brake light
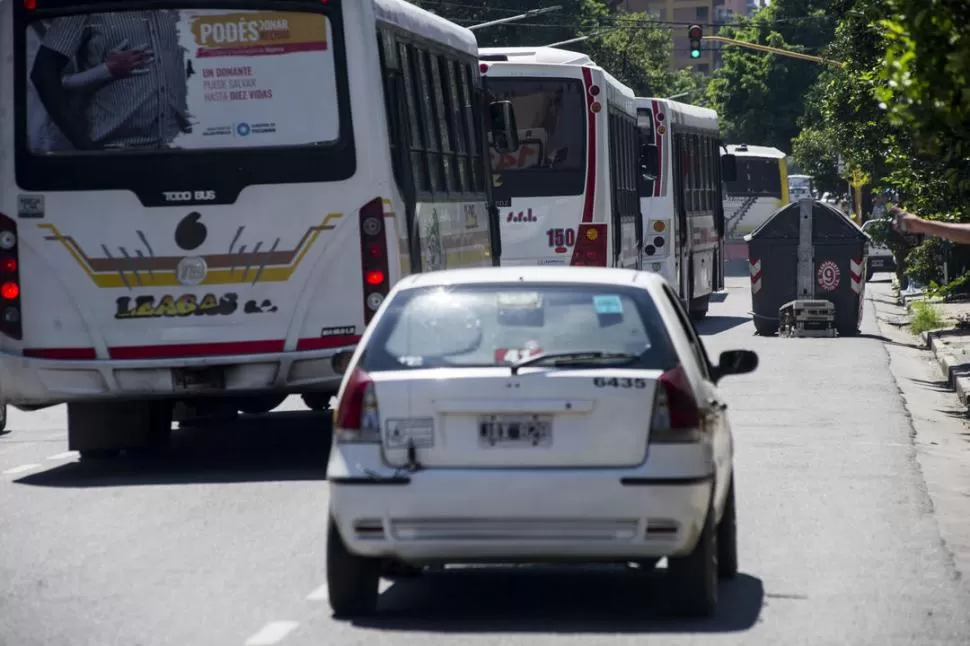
x=375 y=277
x=9 y=291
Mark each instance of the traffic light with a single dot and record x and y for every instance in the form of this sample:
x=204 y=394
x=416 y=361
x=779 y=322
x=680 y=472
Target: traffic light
x=695 y=33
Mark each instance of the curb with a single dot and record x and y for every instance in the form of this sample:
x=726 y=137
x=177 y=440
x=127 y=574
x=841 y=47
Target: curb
x=957 y=374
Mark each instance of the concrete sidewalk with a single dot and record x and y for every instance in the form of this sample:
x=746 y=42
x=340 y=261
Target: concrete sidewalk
x=949 y=344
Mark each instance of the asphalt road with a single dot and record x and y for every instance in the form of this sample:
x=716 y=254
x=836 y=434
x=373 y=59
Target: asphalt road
x=841 y=541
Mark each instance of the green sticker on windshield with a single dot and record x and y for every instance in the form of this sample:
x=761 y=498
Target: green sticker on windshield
x=607 y=304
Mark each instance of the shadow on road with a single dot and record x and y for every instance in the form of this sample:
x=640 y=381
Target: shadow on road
x=886 y=340
x=284 y=446
x=716 y=324
x=561 y=600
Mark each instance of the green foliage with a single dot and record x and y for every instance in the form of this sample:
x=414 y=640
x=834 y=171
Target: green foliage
x=760 y=96
x=927 y=90
x=925 y=318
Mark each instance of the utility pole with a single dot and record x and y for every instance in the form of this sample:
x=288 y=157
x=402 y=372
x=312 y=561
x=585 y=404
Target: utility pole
x=521 y=16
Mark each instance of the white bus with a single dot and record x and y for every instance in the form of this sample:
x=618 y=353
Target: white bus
x=681 y=198
x=205 y=202
x=568 y=194
x=760 y=189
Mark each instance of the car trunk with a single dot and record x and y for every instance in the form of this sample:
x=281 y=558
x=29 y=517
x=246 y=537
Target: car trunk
x=486 y=417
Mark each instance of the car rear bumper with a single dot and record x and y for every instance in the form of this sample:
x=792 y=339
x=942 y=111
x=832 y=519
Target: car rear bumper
x=488 y=515
x=37 y=382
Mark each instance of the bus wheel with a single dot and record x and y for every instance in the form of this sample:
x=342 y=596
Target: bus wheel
x=317 y=400
x=260 y=404
x=101 y=429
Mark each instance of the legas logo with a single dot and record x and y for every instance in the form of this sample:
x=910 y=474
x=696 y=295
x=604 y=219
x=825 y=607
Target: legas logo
x=521 y=217
x=189 y=196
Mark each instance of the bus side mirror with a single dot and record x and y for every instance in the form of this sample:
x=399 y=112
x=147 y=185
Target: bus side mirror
x=505 y=133
x=729 y=168
x=648 y=161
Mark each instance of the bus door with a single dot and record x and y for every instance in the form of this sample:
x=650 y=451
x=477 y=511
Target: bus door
x=681 y=162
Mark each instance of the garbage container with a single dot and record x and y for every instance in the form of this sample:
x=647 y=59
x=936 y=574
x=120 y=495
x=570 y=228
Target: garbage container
x=807 y=250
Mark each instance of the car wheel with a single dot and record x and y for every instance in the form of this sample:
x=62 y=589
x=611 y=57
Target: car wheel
x=727 y=538
x=3 y=417
x=352 y=580
x=695 y=574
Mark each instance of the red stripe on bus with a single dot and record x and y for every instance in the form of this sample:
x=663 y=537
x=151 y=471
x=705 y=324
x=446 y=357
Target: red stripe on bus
x=590 y=147
x=658 y=185
x=327 y=342
x=128 y=352
x=71 y=354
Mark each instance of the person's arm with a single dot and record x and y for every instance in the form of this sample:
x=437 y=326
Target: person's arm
x=909 y=223
x=61 y=42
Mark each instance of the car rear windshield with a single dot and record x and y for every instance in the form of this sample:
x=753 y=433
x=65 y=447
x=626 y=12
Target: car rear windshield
x=498 y=324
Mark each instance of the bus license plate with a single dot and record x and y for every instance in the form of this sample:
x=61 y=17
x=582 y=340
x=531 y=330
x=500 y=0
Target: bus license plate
x=210 y=377
x=509 y=431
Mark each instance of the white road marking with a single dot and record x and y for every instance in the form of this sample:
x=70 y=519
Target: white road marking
x=320 y=594
x=66 y=455
x=20 y=469
x=272 y=633
x=323 y=593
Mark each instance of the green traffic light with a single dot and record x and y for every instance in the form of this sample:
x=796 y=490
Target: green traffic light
x=695 y=53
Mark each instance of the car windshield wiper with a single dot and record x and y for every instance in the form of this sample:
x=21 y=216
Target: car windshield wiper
x=572 y=358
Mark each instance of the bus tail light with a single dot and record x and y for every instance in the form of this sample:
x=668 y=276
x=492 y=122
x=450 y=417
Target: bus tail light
x=373 y=256
x=590 y=249
x=657 y=241
x=10 y=323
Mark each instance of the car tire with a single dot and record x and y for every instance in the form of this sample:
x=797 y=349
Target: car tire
x=352 y=580
x=727 y=537
x=695 y=574
x=3 y=417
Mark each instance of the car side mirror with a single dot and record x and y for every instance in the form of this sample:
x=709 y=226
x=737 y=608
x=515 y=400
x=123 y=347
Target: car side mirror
x=736 y=362
x=648 y=161
x=341 y=360
x=729 y=168
x=505 y=132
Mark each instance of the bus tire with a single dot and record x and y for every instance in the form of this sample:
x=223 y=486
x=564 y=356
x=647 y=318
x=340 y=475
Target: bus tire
x=764 y=327
x=318 y=401
x=94 y=428
x=260 y=404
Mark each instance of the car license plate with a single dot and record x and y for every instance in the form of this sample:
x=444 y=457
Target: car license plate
x=208 y=378
x=514 y=430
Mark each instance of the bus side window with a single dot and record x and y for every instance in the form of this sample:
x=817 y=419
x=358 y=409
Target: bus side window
x=418 y=156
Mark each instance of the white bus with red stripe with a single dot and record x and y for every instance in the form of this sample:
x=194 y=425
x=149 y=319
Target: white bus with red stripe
x=568 y=194
x=681 y=198
x=320 y=151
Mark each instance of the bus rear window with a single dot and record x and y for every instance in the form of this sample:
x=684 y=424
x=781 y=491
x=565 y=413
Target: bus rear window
x=190 y=79
x=551 y=118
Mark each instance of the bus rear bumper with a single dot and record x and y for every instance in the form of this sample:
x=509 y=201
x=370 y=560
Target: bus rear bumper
x=26 y=381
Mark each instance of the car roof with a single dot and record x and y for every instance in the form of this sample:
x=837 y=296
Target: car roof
x=534 y=274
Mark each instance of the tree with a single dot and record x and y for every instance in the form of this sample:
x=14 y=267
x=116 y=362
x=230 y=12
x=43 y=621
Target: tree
x=927 y=89
x=761 y=96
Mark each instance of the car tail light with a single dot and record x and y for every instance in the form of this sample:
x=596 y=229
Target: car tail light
x=590 y=249
x=676 y=416
x=358 y=417
x=373 y=257
x=10 y=291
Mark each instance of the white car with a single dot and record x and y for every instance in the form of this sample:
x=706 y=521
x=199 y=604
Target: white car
x=532 y=415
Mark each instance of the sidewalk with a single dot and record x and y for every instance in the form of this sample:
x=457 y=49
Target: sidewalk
x=950 y=344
